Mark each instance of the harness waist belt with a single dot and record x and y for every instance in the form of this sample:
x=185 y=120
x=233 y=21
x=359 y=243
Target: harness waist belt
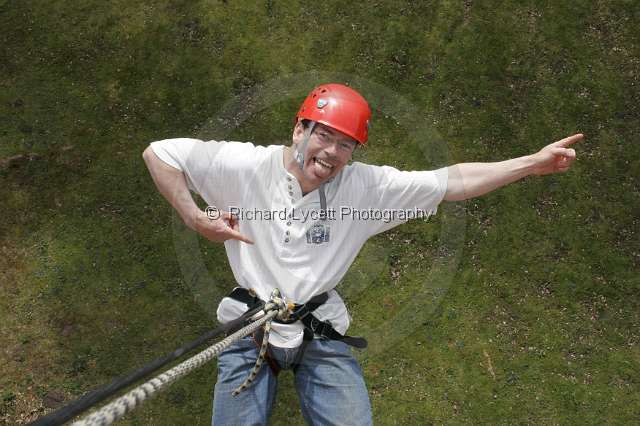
x=303 y=313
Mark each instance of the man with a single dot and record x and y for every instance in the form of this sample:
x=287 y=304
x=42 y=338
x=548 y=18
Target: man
x=300 y=216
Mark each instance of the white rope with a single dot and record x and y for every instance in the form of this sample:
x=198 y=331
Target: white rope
x=127 y=402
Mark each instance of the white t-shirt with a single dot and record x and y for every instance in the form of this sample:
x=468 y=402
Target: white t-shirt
x=295 y=250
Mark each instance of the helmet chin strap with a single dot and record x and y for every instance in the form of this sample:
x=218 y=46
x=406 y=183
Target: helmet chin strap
x=299 y=155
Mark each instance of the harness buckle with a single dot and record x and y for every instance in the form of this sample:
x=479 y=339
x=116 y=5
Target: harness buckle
x=314 y=324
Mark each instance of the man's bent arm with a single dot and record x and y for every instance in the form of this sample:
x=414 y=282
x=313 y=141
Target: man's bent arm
x=173 y=186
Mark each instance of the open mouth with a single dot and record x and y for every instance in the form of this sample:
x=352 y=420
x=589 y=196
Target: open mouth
x=323 y=164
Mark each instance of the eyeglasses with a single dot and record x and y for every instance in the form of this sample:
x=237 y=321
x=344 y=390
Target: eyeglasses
x=344 y=145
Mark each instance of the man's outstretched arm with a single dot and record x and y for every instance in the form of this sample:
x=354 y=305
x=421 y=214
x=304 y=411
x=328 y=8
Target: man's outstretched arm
x=469 y=180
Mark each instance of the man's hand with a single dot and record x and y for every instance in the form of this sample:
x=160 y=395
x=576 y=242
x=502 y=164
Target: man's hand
x=555 y=157
x=219 y=226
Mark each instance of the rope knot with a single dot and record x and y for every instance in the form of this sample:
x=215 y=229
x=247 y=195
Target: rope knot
x=279 y=304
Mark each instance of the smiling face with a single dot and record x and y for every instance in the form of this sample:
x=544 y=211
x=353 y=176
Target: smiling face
x=328 y=151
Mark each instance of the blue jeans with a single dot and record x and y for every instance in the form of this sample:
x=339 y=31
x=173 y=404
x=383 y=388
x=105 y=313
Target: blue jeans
x=328 y=381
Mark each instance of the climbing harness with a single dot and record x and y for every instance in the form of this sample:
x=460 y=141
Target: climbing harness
x=303 y=313
x=295 y=312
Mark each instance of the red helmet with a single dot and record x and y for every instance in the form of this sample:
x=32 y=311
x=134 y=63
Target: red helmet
x=339 y=107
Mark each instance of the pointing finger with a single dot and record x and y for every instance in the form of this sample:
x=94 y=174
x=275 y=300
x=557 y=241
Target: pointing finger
x=235 y=235
x=569 y=140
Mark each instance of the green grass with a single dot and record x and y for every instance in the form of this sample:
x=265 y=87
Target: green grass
x=518 y=307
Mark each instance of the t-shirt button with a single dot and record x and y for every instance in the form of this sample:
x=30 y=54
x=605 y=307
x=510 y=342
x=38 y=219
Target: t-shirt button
x=288 y=223
x=291 y=193
x=290 y=187
x=289 y=178
x=287 y=233
x=286 y=240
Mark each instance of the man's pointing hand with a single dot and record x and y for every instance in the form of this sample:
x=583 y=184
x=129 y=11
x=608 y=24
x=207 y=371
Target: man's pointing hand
x=219 y=226
x=556 y=157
